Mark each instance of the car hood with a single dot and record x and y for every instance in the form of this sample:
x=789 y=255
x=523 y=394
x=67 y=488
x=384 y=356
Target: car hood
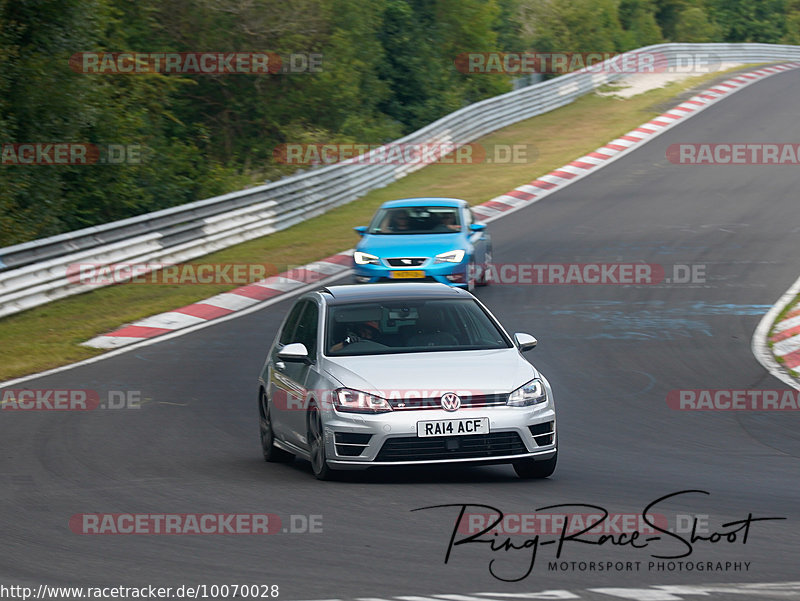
x=478 y=372
x=411 y=245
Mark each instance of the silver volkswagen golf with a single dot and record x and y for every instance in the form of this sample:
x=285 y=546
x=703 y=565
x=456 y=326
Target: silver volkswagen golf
x=403 y=374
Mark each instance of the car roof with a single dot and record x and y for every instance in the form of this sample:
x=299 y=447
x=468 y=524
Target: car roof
x=425 y=202
x=349 y=293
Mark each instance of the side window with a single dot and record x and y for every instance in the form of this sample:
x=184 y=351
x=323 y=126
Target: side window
x=290 y=325
x=307 y=327
x=470 y=218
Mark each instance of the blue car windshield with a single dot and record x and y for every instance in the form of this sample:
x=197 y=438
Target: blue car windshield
x=416 y=220
x=413 y=326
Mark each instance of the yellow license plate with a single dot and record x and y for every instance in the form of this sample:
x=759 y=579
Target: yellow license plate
x=407 y=275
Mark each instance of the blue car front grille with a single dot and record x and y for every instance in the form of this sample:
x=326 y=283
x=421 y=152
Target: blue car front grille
x=407 y=262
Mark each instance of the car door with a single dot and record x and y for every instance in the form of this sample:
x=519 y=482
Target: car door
x=285 y=379
x=303 y=375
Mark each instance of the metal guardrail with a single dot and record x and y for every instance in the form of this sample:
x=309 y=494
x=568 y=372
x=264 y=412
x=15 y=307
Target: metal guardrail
x=35 y=272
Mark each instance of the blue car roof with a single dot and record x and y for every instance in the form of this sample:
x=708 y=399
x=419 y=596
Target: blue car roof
x=425 y=202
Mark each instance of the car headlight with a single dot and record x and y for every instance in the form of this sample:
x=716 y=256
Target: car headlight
x=355 y=401
x=364 y=258
x=528 y=394
x=453 y=256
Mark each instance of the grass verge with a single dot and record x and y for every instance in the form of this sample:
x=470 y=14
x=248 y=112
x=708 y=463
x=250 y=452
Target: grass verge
x=50 y=336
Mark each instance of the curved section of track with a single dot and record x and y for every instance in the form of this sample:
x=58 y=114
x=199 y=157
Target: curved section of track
x=612 y=353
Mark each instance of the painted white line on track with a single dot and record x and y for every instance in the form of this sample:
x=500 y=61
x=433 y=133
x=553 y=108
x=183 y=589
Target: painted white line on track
x=670 y=592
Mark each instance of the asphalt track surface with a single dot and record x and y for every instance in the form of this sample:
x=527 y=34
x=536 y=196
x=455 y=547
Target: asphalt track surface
x=611 y=352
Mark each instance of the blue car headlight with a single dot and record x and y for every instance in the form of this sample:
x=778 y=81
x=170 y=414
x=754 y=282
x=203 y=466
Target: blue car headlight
x=452 y=256
x=362 y=258
x=528 y=394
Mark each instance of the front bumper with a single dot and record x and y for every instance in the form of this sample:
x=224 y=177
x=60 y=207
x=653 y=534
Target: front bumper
x=390 y=439
x=452 y=274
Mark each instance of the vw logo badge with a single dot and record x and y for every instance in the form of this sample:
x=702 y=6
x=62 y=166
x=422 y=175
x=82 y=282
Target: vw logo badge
x=450 y=401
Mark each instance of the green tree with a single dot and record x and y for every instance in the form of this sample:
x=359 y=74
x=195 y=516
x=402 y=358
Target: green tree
x=572 y=25
x=792 y=24
x=45 y=101
x=509 y=26
x=638 y=19
x=421 y=41
x=749 y=20
x=667 y=13
x=695 y=27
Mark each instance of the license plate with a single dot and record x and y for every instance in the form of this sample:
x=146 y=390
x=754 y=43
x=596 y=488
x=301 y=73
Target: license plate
x=407 y=275
x=453 y=427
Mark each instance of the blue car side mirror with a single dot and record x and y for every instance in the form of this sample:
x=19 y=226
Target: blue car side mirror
x=361 y=230
x=477 y=227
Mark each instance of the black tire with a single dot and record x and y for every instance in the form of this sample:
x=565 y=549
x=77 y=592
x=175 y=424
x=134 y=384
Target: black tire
x=319 y=458
x=484 y=280
x=272 y=454
x=528 y=469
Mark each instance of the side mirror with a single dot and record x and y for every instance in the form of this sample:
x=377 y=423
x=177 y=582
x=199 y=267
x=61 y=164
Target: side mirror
x=525 y=342
x=477 y=227
x=361 y=230
x=296 y=352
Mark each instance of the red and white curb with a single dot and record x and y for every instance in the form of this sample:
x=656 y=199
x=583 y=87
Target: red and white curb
x=226 y=303
x=290 y=282
x=784 y=336
x=785 y=339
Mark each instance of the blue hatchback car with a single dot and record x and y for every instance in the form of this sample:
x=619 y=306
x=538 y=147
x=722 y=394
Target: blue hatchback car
x=423 y=239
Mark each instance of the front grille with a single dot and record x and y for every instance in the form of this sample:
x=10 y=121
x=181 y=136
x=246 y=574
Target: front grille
x=477 y=446
x=350 y=444
x=469 y=402
x=543 y=433
x=407 y=262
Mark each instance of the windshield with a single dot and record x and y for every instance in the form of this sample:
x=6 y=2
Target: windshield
x=413 y=326
x=416 y=220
